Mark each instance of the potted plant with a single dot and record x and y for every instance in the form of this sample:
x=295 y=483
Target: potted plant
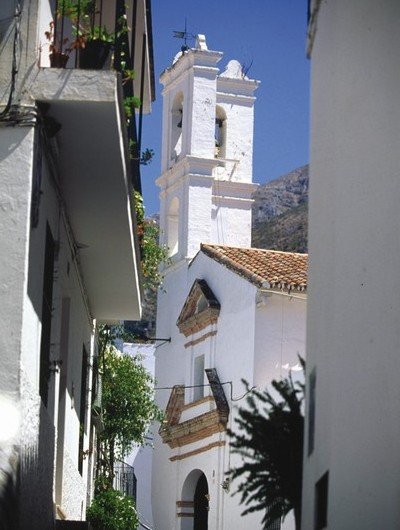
x=95 y=48
x=93 y=41
x=57 y=53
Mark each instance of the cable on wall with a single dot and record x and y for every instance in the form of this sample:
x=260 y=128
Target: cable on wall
x=14 y=66
x=208 y=385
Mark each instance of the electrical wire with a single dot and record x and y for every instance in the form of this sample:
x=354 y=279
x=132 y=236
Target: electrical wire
x=14 y=67
x=208 y=385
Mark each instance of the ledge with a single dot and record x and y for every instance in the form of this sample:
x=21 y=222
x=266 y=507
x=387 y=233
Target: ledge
x=93 y=171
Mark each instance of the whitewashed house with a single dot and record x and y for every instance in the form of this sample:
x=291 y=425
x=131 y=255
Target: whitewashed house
x=352 y=458
x=68 y=257
x=231 y=312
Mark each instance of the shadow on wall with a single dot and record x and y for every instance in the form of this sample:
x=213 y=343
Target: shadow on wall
x=26 y=483
x=9 y=497
x=36 y=478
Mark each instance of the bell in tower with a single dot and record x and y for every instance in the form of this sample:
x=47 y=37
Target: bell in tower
x=207 y=143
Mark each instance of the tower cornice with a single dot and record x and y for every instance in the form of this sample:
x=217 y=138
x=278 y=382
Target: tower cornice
x=224 y=97
x=240 y=87
x=193 y=165
x=193 y=58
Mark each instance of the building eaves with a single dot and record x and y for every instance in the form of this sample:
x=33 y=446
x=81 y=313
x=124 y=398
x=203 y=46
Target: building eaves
x=272 y=268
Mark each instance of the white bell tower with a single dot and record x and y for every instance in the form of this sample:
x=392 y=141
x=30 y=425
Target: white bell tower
x=207 y=150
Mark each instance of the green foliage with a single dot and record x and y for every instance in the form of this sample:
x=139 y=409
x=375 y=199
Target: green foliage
x=139 y=208
x=73 y=8
x=128 y=402
x=127 y=75
x=270 y=441
x=152 y=253
x=146 y=156
x=81 y=13
x=110 y=510
x=101 y=33
x=130 y=104
x=128 y=405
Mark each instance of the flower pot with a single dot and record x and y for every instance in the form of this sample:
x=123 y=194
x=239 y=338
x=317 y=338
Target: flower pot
x=95 y=55
x=58 y=59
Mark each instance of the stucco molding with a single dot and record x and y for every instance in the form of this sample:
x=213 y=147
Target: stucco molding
x=200 y=339
x=200 y=310
x=176 y=433
x=195 y=452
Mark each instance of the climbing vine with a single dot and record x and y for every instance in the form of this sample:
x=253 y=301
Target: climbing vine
x=152 y=253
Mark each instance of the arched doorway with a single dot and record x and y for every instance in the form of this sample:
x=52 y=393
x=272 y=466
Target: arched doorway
x=201 y=504
x=194 y=505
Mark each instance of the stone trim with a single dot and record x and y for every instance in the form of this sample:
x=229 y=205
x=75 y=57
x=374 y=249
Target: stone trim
x=185 y=504
x=192 y=430
x=200 y=339
x=175 y=405
x=176 y=434
x=191 y=319
x=199 y=321
x=196 y=452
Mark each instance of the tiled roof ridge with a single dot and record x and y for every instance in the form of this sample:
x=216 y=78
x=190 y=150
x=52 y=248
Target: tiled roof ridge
x=214 y=245
x=231 y=264
x=293 y=275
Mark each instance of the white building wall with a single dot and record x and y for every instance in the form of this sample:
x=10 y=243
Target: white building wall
x=22 y=263
x=353 y=314
x=231 y=225
x=280 y=336
x=173 y=366
x=249 y=344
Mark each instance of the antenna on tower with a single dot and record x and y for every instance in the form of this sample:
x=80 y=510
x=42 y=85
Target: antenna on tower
x=184 y=35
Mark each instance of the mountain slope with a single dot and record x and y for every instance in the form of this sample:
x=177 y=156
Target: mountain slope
x=280 y=213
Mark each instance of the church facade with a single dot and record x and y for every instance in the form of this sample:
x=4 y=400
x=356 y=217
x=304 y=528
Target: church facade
x=233 y=313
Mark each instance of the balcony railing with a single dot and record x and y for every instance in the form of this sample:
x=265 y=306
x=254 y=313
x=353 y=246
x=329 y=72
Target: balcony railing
x=91 y=34
x=125 y=479
x=100 y=35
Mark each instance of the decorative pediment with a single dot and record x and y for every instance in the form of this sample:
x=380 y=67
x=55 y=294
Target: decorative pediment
x=200 y=309
x=177 y=433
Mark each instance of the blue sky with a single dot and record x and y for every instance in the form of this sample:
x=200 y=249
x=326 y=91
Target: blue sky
x=271 y=33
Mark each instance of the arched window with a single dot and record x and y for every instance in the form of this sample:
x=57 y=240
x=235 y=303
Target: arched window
x=220 y=132
x=173 y=226
x=176 y=126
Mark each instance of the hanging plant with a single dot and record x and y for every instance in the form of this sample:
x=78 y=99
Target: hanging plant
x=130 y=104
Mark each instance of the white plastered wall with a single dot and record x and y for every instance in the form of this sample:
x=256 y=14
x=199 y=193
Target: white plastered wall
x=215 y=194
x=22 y=262
x=353 y=313
x=250 y=341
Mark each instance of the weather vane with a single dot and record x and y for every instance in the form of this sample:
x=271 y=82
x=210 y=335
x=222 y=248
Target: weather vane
x=184 y=35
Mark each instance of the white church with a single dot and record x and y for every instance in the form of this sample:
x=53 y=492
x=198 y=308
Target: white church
x=232 y=312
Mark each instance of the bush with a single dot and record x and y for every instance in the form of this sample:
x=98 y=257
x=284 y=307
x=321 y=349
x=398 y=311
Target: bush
x=110 y=510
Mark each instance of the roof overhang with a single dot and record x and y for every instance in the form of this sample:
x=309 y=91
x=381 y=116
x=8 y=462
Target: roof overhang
x=142 y=50
x=95 y=185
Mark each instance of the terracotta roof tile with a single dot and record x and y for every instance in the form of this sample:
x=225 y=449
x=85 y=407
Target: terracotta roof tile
x=264 y=268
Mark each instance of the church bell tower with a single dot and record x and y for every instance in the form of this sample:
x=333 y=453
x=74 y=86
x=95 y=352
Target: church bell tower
x=207 y=148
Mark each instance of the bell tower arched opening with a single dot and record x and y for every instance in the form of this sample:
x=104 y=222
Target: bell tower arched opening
x=176 y=126
x=220 y=132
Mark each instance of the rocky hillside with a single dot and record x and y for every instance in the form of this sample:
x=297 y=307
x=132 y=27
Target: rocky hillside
x=280 y=213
